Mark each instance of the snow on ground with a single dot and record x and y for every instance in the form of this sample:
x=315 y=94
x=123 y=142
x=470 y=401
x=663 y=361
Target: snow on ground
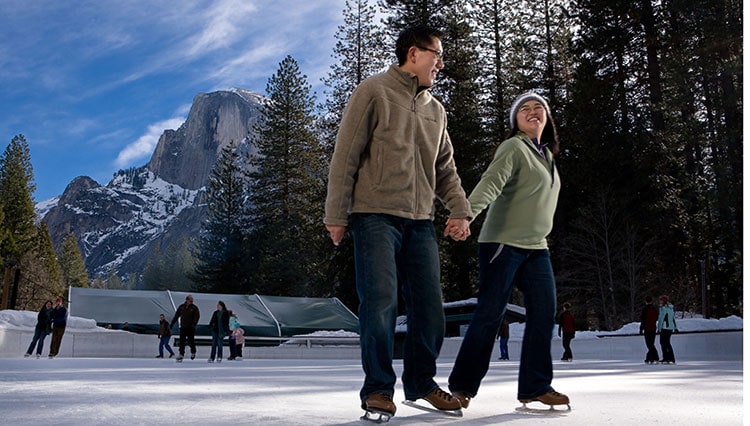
x=147 y=391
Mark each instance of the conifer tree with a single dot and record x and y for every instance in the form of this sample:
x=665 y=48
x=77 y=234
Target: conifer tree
x=361 y=51
x=286 y=192
x=72 y=266
x=221 y=262
x=16 y=189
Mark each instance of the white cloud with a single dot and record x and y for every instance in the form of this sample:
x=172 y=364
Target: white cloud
x=144 y=145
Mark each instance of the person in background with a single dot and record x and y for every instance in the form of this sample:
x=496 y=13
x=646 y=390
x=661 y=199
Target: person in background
x=666 y=325
x=234 y=322
x=59 y=319
x=239 y=339
x=42 y=329
x=649 y=317
x=567 y=330
x=392 y=159
x=165 y=333
x=189 y=314
x=503 y=335
x=219 y=325
x=520 y=189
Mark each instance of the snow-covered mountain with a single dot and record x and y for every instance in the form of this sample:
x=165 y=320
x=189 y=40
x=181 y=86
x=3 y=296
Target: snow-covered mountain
x=161 y=202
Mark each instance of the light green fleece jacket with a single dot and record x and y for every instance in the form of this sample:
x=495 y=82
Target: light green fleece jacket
x=521 y=188
x=393 y=154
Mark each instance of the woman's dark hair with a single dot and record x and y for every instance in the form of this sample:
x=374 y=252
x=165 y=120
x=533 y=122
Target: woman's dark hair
x=223 y=306
x=419 y=35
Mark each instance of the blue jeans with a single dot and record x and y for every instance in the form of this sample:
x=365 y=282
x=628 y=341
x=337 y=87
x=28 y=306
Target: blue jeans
x=164 y=343
x=504 y=348
x=39 y=335
x=217 y=341
x=500 y=268
x=389 y=252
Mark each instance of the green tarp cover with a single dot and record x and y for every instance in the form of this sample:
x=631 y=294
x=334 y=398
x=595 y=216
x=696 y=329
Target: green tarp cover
x=269 y=316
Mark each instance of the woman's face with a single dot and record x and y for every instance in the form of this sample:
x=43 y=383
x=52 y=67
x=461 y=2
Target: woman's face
x=531 y=118
x=48 y=305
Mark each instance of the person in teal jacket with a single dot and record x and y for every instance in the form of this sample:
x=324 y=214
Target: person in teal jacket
x=520 y=190
x=666 y=325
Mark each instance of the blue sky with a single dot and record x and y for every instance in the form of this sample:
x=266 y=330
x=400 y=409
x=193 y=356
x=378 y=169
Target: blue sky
x=92 y=84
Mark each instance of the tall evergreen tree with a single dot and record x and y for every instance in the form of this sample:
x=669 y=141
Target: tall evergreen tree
x=72 y=266
x=221 y=258
x=459 y=92
x=16 y=187
x=286 y=191
x=361 y=51
x=41 y=277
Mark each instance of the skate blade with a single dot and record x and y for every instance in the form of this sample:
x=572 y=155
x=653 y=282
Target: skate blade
x=376 y=416
x=452 y=413
x=545 y=409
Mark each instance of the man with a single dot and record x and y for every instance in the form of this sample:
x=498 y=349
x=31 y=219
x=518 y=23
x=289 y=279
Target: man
x=392 y=158
x=59 y=321
x=567 y=330
x=649 y=316
x=190 y=316
x=165 y=333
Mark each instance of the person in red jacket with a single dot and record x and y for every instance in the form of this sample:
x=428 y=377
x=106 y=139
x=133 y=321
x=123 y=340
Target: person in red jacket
x=649 y=316
x=567 y=330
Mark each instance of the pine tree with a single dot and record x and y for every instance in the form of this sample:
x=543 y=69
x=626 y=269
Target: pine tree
x=360 y=52
x=72 y=266
x=221 y=259
x=16 y=187
x=286 y=191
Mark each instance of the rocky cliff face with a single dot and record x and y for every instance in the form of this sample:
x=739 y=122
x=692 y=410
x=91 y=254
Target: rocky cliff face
x=117 y=224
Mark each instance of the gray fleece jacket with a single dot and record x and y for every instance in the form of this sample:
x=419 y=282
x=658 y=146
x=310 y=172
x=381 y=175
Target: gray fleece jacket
x=393 y=154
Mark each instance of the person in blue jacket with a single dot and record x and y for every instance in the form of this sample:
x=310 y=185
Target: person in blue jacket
x=666 y=325
x=42 y=329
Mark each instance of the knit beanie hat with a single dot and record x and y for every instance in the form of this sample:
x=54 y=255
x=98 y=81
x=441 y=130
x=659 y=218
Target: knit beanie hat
x=516 y=105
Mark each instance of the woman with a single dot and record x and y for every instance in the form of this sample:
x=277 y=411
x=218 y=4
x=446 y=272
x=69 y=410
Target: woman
x=42 y=329
x=666 y=326
x=521 y=187
x=219 y=325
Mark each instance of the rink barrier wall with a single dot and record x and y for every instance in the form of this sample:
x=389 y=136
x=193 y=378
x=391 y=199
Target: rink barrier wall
x=723 y=345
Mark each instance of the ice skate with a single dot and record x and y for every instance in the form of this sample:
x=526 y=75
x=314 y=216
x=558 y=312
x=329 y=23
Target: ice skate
x=179 y=358
x=463 y=398
x=379 y=408
x=551 y=398
x=192 y=355
x=26 y=355
x=442 y=401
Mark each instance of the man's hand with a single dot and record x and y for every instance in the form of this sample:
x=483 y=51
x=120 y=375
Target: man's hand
x=336 y=232
x=458 y=229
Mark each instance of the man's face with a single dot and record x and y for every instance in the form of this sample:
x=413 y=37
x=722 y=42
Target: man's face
x=189 y=300
x=425 y=62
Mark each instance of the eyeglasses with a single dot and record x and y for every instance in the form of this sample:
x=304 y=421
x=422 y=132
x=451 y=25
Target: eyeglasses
x=437 y=53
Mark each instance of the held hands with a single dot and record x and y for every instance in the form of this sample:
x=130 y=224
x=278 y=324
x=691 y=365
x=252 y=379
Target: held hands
x=458 y=229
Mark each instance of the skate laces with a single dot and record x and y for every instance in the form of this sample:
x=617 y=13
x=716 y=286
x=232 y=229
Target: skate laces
x=442 y=394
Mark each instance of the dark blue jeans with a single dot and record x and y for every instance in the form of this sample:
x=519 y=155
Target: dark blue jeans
x=390 y=252
x=38 y=340
x=164 y=343
x=217 y=345
x=500 y=268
